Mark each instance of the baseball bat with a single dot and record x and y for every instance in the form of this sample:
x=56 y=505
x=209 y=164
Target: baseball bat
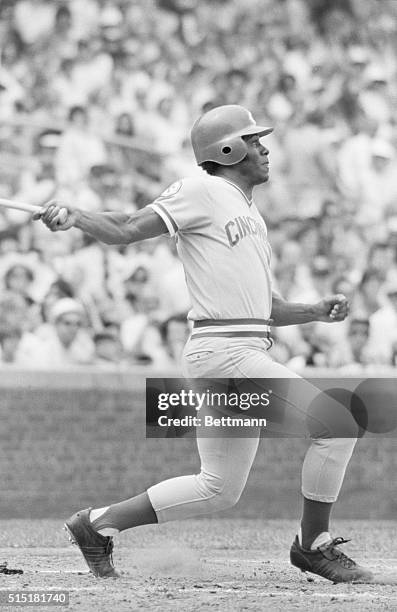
x=31 y=208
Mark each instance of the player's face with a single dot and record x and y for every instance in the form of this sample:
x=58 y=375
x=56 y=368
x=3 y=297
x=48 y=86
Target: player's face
x=256 y=164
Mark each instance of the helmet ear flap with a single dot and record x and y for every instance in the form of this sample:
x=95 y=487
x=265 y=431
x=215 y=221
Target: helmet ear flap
x=231 y=151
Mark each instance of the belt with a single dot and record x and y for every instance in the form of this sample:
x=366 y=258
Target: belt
x=218 y=322
x=232 y=328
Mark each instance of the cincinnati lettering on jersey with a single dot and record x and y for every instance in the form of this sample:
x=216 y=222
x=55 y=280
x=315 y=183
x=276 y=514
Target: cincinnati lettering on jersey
x=238 y=228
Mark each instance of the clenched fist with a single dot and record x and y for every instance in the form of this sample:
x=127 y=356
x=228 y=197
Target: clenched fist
x=332 y=309
x=57 y=216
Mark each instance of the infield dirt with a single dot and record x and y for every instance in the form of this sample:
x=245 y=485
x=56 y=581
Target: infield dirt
x=214 y=564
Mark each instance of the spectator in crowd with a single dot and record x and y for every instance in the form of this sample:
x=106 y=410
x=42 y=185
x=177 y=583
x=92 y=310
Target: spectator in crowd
x=293 y=275
x=18 y=278
x=11 y=74
x=355 y=154
x=101 y=190
x=34 y=20
x=174 y=332
x=38 y=183
x=64 y=42
x=315 y=352
x=92 y=68
x=96 y=99
x=321 y=277
x=13 y=310
x=374 y=96
x=108 y=350
x=378 y=187
x=394 y=355
x=139 y=332
x=381 y=259
x=57 y=290
x=124 y=125
x=383 y=326
x=368 y=298
x=79 y=149
x=356 y=354
x=63 y=87
x=61 y=342
x=9 y=342
x=358 y=335
x=18 y=320
x=91 y=195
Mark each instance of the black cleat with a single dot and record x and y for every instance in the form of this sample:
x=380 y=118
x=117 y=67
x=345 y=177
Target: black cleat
x=329 y=562
x=96 y=548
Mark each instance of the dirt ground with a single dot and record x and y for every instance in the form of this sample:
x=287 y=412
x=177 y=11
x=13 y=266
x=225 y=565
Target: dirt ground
x=214 y=564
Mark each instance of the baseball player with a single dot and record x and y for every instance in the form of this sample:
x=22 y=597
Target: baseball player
x=223 y=244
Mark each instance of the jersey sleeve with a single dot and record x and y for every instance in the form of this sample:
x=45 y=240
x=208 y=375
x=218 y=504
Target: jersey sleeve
x=183 y=206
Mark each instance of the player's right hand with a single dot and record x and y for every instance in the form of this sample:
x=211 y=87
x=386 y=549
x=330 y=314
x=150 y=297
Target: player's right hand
x=56 y=215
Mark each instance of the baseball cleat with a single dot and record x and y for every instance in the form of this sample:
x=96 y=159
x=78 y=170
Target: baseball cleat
x=329 y=562
x=96 y=548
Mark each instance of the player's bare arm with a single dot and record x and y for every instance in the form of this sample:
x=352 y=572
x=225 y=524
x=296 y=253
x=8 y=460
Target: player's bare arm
x=108 y=227
x=330 y=310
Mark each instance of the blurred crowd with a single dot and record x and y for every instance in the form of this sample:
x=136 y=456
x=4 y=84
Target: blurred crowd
x=97 y=98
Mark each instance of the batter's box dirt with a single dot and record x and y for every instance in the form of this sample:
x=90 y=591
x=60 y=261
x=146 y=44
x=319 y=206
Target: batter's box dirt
x=213 y=564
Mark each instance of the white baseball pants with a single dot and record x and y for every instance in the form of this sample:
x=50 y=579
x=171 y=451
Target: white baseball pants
x=226 y=461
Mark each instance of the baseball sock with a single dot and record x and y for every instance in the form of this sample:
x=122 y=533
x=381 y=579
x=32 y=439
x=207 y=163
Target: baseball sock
x=126 y=514
x=315 y=520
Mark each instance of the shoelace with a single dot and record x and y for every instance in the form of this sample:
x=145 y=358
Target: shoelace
x=338 y=555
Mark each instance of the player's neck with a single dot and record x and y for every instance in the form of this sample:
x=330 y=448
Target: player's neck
x=240 y=182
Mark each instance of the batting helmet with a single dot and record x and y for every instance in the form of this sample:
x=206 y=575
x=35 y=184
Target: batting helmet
x=217 y=135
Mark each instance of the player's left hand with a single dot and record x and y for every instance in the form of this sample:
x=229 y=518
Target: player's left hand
x=332 y=309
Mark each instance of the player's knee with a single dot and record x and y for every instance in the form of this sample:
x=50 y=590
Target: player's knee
x=220 y=493
x=329 y=415
x=228 y=498
x=338 y=450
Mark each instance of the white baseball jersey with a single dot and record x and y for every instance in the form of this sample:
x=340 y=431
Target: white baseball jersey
x=222 y=242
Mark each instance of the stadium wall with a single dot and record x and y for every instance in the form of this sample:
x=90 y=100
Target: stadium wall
x=69 y=440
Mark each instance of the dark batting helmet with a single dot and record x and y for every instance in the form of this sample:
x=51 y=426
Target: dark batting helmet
x=217 y=135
